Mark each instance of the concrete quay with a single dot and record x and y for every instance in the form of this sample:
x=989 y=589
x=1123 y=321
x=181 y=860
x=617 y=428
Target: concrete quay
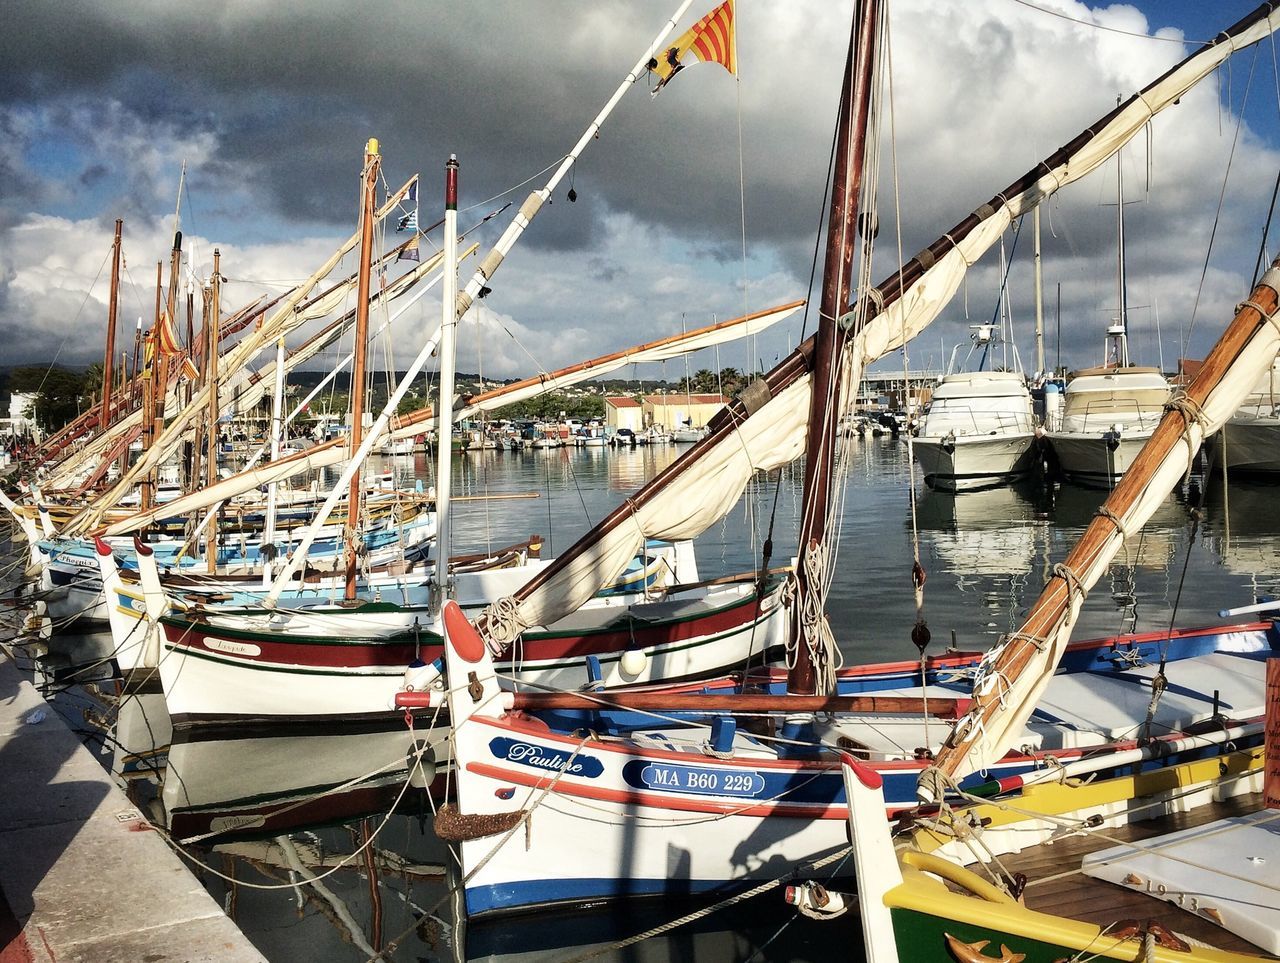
x=83 y=876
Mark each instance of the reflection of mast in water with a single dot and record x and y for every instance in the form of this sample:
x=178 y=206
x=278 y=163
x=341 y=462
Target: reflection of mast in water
x=988 y=540
x=316 y=813
x=1242 y=528
x=1074 y=507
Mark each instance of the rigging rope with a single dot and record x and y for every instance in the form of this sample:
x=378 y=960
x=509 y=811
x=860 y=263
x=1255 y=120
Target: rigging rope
x=1217 y=217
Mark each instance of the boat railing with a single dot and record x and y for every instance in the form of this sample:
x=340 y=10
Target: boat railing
x=1102 y=414
x=967 y=420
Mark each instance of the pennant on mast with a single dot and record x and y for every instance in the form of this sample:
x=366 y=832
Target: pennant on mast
x=710 y=40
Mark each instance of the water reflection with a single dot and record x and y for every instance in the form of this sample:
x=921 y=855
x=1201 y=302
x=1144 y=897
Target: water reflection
x=1243 y=529
x=318 y=849
x=264 y=810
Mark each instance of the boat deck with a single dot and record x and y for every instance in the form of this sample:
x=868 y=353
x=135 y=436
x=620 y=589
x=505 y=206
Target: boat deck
x=1079 y=897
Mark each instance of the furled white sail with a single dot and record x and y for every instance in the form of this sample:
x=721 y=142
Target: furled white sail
x=689 y=504
x=283 y=320
x=320 y=456
x=898 y=310
x=1014 y=674
x=417 y=422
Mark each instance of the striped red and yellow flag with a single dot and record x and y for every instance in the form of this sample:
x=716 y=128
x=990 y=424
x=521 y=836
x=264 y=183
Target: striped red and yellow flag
x=710 y=40
x=167 y=335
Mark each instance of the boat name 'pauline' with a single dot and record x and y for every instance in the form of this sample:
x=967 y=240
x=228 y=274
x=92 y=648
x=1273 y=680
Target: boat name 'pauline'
x=527 y=754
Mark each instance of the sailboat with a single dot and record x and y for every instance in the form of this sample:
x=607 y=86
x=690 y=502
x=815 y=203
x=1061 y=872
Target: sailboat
x=697 y=794
x=1212 y=868
x=1109 y=411
x=979 y=429
x=349 y=658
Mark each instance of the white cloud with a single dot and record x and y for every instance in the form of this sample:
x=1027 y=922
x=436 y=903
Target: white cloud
x=981 y=91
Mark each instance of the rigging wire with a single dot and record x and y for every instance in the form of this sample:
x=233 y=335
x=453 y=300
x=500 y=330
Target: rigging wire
x=79 y=311
x=1226 y=177
x=1103 y=27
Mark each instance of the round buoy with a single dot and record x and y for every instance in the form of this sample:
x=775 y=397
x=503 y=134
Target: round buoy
x=633 y=663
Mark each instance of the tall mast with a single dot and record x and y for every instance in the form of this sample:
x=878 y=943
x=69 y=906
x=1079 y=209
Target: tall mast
x=108 y=385
x=150 y=365
x=1123 y=296
x=369 y=183
x=277 y=428
x=162 y=356
x=211 y=329
x=824 y=413
x=448 y=358
x=1035 y=223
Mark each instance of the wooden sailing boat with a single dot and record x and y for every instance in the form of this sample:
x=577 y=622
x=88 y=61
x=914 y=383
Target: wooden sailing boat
x=679 y=796
x=908 y=916
x=350 y=660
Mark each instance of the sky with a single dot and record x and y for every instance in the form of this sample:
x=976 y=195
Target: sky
x=697 y=205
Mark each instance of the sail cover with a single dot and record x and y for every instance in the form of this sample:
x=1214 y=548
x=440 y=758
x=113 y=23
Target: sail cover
x=415 y=423
x=319 y=456
x=1014 y=674
x=281 y=321
x=898 y=309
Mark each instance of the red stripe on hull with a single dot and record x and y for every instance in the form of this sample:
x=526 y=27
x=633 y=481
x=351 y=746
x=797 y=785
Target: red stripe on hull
x=656 y=801
x=372 y=654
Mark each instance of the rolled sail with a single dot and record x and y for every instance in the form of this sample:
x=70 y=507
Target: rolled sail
x=1014 y=674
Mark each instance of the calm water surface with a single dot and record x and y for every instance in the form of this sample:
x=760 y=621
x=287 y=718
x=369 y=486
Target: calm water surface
x=384 y=878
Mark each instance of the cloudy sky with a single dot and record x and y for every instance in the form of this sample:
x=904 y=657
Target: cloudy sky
x=270 y=105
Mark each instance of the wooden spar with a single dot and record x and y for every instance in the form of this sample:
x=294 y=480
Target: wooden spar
x=428 y=413
x=280 y=321
x=1056 y=599
x=150 y=361
x=824 y=408
x=367 y=217
x=713 y=702
x=112 y=306
x=213 y=328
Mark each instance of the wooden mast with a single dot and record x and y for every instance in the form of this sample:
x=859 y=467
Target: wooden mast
x=108 y=383
x=369 y=182
x=832 y=335
x=211 y=432
x=150 y=363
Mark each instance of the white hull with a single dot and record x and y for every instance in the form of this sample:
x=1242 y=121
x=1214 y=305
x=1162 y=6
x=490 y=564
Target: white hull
x=974 y=461
x=1252 y=445
x=1097 y=458
x=586 y=844
x=219 y=674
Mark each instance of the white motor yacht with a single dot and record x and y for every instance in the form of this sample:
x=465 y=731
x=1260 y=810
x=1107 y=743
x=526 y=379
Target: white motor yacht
x=1108 y=415
x=1250 y=441
x=979 y=429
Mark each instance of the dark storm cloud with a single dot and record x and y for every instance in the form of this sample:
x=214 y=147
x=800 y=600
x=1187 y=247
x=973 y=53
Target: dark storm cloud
x=272 y=105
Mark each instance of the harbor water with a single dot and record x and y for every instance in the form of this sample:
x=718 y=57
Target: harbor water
x=344 y=865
